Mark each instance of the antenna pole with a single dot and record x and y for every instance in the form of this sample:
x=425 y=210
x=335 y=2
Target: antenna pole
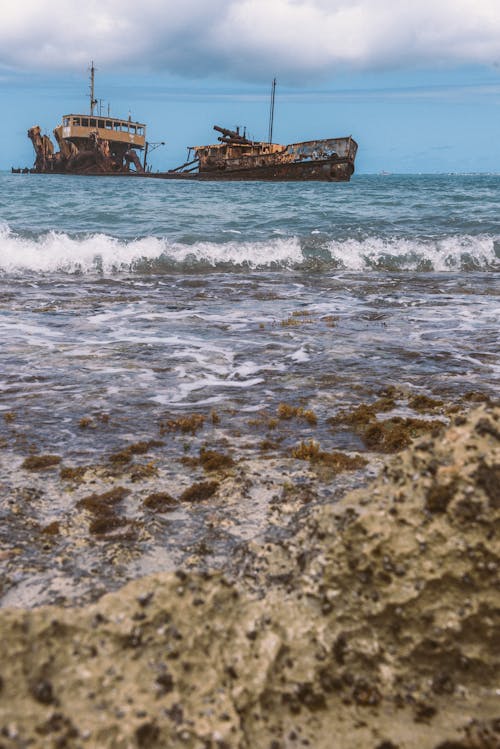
x=93 y=100
x=271 y=110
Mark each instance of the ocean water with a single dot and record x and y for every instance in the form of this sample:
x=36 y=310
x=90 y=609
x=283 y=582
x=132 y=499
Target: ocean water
x=128 y=302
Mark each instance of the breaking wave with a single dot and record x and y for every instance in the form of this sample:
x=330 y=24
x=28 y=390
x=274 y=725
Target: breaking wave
x=54 y=252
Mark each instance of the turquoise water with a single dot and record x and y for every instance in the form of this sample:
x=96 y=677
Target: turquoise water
x=128 y=302
x=106 y=281
x=441 y=223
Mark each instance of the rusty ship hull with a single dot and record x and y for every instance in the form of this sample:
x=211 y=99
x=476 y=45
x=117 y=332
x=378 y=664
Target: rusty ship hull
x=330 y=160
x=314 y=171
x=319 y=171
x=237 y=158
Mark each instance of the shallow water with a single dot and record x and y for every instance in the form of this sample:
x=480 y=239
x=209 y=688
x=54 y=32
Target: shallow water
x=130 y=302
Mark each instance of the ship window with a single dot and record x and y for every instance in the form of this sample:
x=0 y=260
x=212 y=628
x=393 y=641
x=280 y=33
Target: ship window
x=66 y=121
x=101 y=123
x=132 y=128
x=140 y=131
x=85 y=122
x=92 y=123
x=76 y=121
x=109 y=124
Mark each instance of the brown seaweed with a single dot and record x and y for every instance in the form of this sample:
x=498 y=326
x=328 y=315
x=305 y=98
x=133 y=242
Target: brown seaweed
x=41 y=462
x=199 y=491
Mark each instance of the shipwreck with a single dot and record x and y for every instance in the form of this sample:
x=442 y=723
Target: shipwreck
x=90 y=144
x=93 y=144
x=235 y=157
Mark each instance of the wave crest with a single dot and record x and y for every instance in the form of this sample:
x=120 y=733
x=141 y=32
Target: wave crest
x=54 y=252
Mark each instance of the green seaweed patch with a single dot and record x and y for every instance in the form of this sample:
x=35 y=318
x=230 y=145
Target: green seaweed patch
x=387 y=435
x=105 y=524
x=365 y=413
x=73 y=473
x=99 y=503
x=189 y=460
x=361 y=415
x=286 y=412
x=142 y=471
x=261 y=420
x=422 y=403
x=41 y=462
x=295 y=320
x=337 y=461
x=124 y=456
x=476 y=396
x=211 y=460
x=199 y=491
x=9 y=417
x=330 y=320
x=93 y=421
x=141 y=448
x=188 y=424
x=392 y=435
x=160 y=502
x=266 y=445
x=384 y=404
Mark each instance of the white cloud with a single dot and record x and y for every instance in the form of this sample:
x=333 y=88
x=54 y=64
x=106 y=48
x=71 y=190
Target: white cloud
x=248 y=38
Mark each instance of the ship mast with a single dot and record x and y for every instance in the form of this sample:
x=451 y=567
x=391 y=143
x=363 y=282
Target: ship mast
x=271 y=110
x=93 y=100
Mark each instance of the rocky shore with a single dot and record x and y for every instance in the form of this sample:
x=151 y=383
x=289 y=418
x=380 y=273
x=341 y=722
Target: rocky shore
x=375 y=625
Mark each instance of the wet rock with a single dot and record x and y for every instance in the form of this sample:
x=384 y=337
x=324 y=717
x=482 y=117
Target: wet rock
x=322 y=637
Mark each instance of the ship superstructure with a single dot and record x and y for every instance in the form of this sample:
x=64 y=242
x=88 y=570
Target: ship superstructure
x=90 y=143
x=104 y=145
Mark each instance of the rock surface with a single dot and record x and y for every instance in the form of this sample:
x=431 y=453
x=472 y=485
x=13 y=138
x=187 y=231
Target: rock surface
x=377 y=625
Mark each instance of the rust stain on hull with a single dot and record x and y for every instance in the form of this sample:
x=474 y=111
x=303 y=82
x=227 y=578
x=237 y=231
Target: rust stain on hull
x=319 y=171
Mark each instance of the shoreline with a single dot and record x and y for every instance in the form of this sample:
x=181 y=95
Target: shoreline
x=373 y=621
x=192 y=491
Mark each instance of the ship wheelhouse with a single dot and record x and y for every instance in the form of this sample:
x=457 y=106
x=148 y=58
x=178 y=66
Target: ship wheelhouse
x=125 y=133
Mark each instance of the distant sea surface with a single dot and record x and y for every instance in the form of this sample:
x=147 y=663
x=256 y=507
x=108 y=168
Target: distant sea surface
x=129 y=293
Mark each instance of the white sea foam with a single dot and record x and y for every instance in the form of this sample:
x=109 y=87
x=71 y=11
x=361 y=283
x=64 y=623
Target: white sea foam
x=58 y=252
x=444 y=254
x=55 y=251
x=300 y=356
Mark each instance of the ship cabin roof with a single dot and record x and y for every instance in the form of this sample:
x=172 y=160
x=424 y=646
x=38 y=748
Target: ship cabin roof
x=75 y=126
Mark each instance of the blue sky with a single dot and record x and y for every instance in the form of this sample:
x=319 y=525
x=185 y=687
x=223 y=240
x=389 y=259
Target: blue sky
x=425 y=101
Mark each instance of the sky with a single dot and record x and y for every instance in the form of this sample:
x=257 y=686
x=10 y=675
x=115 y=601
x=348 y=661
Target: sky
x=416 y=83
